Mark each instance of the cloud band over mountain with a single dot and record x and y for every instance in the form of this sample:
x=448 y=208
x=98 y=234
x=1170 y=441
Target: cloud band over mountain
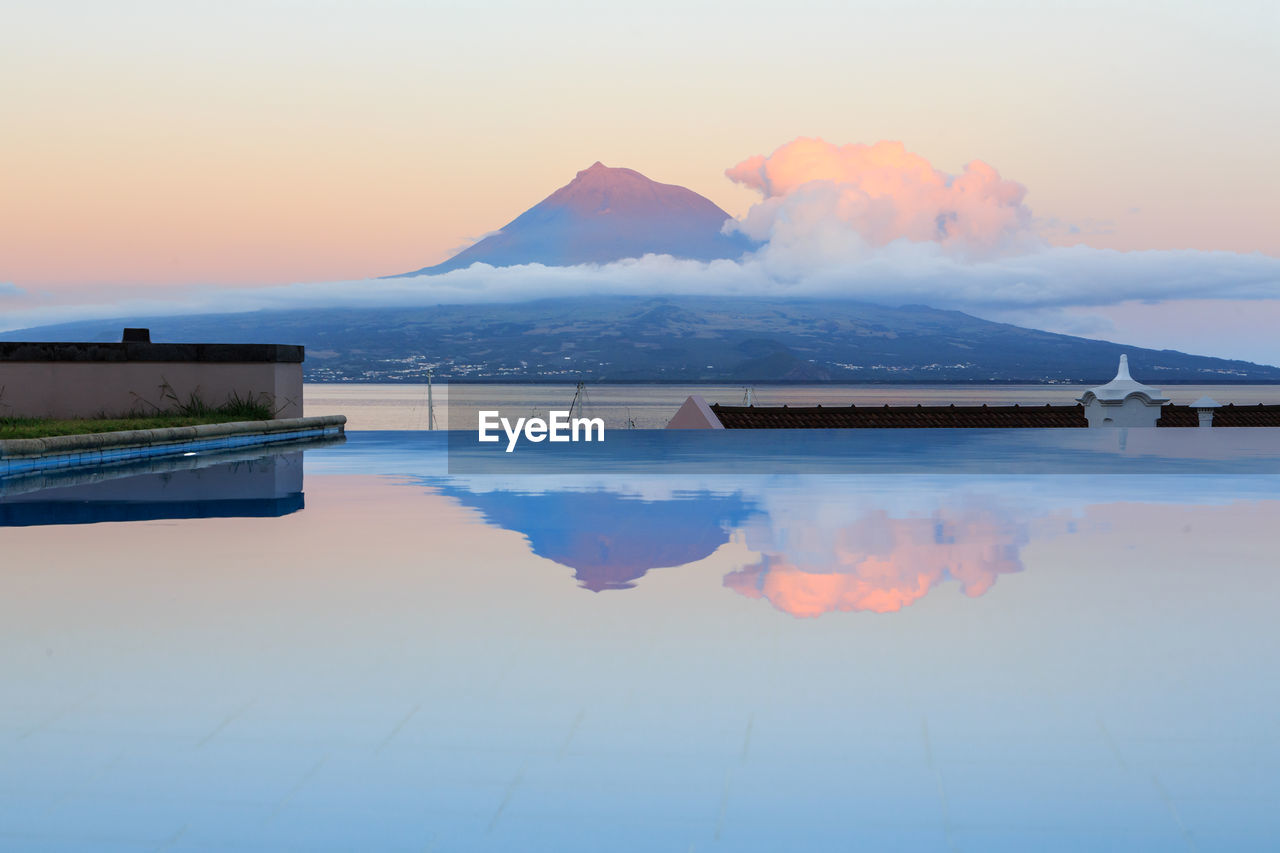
x=898 y=273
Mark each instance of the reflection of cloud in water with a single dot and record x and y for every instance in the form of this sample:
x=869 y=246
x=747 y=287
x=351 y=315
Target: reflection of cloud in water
x=610 y=540
x=876 y=563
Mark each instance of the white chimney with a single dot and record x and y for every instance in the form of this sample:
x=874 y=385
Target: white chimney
x=1204 y=411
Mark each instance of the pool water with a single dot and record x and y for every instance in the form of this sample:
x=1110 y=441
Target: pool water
x=351 y=648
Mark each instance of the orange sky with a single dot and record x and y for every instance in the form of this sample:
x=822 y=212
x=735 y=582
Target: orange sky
x=151 y=144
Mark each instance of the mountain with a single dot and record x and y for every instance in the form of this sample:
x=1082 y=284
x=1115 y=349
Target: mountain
x=670 y=339
x=605 y=215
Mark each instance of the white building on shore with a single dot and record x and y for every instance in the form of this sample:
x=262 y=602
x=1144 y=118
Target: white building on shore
x=1123 y=402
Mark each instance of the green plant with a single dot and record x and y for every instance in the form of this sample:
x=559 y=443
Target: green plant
x=246 y=407
x=11 y=427
x=147 y=415
x=250 y=407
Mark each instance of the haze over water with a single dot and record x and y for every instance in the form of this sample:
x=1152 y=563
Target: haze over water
x=404 y=406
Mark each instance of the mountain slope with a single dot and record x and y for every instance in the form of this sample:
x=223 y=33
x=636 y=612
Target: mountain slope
x=605 y=215
x=620 y=338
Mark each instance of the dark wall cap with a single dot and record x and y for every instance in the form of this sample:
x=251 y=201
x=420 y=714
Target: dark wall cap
x=900 y=417
x=119 y=352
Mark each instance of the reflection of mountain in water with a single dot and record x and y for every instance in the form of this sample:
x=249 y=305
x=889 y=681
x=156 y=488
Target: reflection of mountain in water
x=875 y=562
x=609 y=540
x=818 y=552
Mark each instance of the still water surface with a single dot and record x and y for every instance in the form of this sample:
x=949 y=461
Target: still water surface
x=225 y=655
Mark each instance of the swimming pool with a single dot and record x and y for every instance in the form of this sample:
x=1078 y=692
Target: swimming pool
x=356 y=649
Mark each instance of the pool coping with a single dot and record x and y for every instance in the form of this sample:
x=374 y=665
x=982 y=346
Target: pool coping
x=66 y=451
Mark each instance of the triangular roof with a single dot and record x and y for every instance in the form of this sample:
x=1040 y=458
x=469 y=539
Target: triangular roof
x=1123 y=387
x=695 y=414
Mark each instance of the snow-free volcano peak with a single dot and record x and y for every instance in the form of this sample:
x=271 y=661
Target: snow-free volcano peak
x=606 y=214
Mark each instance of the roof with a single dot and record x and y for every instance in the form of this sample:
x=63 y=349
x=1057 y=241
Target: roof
x=1229 y=415
x=900 y=417
x=1123 y=387
x=966 y=417
x=694 y=414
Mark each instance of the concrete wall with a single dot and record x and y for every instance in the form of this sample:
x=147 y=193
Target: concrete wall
x=70 y=389
x=1132 y=412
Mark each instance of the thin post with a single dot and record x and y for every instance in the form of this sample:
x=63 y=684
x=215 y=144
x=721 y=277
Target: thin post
x=431 y=408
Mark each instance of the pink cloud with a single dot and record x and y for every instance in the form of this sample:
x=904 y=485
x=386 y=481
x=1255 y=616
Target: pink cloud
x=877 y=563
x=880 y=193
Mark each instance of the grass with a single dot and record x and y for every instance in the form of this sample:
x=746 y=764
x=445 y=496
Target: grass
x=191 y=412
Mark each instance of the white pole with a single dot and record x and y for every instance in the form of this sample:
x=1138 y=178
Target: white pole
x=431 y=409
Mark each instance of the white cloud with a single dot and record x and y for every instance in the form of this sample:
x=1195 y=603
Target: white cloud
x=817 y=195
x=899 y=273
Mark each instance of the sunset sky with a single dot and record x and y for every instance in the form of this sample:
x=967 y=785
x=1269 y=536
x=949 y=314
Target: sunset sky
x=149 y=145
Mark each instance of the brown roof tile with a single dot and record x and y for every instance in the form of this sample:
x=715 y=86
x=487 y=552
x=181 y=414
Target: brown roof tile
x=1229 y=415
x=966 y=417
x=899 y=417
